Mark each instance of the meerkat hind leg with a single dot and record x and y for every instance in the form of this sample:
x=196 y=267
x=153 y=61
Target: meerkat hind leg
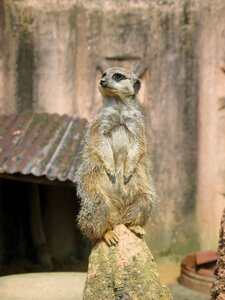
x=138 y=230
x=111 y=238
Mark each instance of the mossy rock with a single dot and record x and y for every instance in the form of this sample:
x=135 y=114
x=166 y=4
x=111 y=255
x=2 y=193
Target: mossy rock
x=125 y=271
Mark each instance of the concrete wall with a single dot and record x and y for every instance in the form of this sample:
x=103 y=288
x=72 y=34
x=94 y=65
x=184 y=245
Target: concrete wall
x=211 y=122
x=55 y=51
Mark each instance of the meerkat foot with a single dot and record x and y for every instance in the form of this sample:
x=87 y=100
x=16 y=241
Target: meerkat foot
x=111 y=238
x=138 y=230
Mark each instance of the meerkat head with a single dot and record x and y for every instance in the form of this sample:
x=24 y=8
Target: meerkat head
x=119 y=82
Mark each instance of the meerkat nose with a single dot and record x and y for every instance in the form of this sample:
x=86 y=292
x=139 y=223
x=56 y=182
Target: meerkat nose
x=102 y=82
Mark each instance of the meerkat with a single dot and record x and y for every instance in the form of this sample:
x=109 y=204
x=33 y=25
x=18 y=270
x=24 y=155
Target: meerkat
x=114 y=178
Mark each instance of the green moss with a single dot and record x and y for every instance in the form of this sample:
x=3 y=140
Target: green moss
x=20 y=24
x=177 y=250
x=111 y=276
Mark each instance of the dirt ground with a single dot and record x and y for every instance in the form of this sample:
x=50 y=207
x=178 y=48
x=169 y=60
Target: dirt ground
x=169 y=272
x=69 y=285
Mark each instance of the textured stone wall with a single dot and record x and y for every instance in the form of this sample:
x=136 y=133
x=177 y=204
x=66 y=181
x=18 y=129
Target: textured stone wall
x=1 y=230
x=55 y=51
x=218 y=287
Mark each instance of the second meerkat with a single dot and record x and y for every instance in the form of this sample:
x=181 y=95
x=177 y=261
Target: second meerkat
x=114 y=178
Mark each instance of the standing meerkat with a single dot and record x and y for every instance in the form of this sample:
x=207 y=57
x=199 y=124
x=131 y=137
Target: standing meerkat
x=114 y=179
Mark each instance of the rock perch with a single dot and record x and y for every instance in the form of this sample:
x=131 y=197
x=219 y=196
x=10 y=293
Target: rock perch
x=125 y=271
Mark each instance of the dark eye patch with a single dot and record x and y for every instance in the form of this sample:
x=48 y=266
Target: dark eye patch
x=103 y=75
x=118 y=77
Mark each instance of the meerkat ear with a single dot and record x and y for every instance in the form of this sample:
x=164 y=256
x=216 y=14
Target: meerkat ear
x=137 y=86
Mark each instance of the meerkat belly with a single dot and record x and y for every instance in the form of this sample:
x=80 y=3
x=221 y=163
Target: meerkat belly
x=120 y=142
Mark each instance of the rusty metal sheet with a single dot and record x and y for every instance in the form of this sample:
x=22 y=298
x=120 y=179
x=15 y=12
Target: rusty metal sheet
x=40 y=144
x=204 y=257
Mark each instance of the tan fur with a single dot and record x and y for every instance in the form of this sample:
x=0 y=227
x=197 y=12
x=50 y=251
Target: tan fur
x=114 y=178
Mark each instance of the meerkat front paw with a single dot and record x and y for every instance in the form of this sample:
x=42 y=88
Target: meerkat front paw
x=138 y=230
x=111 y=175
x=111 y=238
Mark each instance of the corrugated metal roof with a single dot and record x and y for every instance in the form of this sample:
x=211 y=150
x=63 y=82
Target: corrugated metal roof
x=40 y=144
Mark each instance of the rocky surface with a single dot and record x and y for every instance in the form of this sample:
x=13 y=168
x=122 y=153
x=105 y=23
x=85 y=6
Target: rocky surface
x=218 y=288
x=124 y=271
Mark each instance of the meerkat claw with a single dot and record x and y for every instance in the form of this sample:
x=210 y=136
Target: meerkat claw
x=111 y=238
x=138 y=230
x=112 y=177
x=127 y=179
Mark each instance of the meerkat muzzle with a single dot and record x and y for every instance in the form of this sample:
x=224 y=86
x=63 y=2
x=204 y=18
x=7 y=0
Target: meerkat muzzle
x=102 y=82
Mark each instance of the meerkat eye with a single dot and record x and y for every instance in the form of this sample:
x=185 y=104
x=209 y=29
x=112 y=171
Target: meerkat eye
x=118 y=77
x=103 y=75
